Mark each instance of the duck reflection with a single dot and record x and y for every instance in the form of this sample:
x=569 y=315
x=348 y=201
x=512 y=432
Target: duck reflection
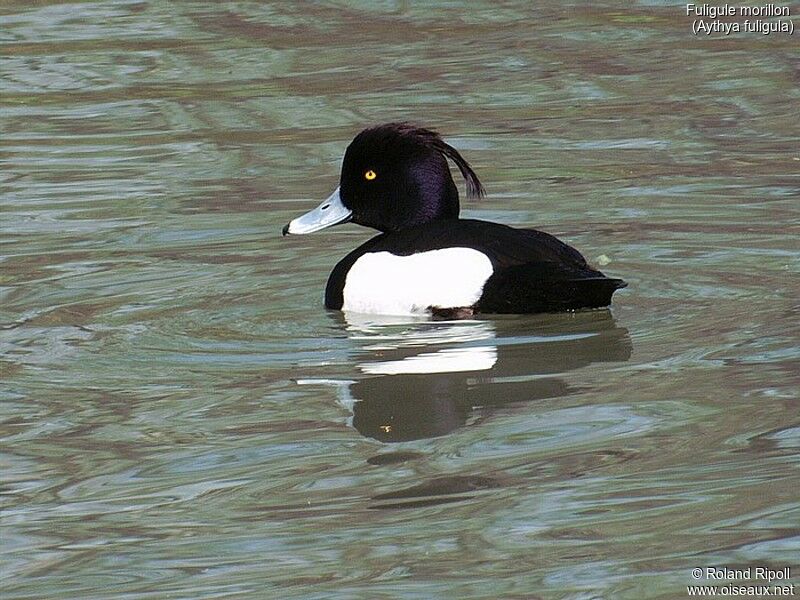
x=424 y=379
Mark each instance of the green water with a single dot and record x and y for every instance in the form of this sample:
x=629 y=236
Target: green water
x=180 y=417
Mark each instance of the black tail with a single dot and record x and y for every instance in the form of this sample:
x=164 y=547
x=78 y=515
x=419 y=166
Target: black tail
x=543 y=287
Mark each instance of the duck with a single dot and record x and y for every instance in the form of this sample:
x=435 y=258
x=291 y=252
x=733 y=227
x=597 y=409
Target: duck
x=426 y=260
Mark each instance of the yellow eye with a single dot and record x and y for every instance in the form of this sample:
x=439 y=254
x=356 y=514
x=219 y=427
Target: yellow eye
x=370 y=175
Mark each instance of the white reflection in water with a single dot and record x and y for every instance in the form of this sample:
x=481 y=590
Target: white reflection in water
x=449 y=360
x=424 y=378
x=391 y=332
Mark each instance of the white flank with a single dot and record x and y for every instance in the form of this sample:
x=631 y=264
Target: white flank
x=384 y=283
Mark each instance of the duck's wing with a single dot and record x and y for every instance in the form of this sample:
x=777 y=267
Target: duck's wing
x=536 y=272
x=508 y=247
x=505 y=246
x=545 y=287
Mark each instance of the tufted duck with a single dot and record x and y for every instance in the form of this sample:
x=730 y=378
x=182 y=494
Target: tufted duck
x=395 y=178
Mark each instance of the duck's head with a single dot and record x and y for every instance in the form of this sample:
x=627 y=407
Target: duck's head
x=394 y=176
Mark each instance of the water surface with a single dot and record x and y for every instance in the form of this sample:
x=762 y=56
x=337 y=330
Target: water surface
x=182 y=419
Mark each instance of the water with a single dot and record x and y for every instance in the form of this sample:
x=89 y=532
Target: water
x=182 y=419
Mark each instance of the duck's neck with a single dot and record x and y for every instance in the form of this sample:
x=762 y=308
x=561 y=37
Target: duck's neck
x=444 y=207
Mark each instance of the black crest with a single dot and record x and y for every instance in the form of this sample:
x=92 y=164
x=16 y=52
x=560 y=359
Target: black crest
x=428 y=138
